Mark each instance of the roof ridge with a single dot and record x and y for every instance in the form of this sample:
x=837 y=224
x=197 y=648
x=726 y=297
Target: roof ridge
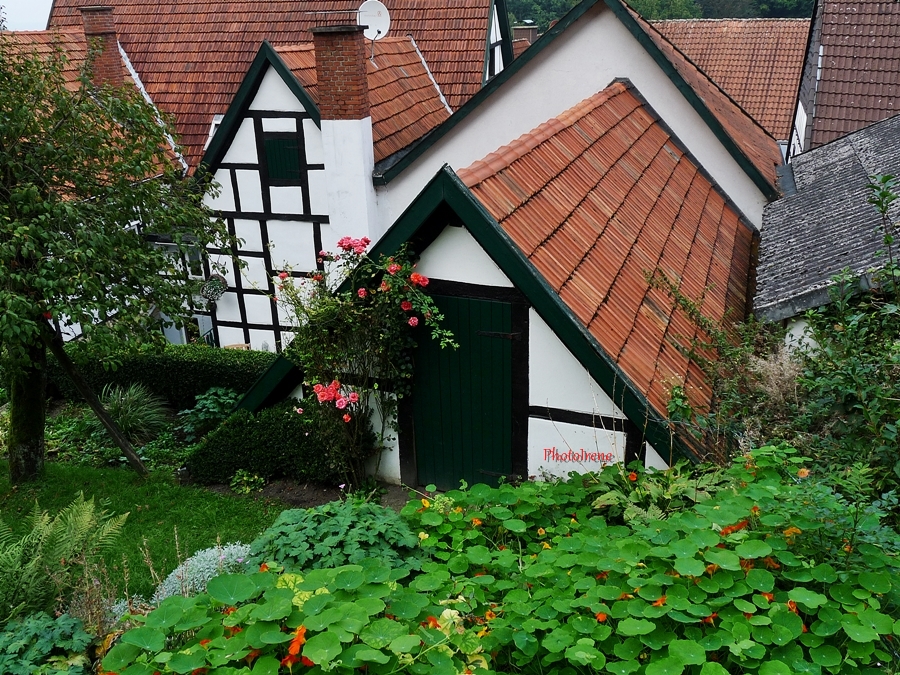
x=748 y=19
x=505 y=155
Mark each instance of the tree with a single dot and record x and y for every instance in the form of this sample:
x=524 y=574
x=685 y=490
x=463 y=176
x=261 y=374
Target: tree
x=88 y=180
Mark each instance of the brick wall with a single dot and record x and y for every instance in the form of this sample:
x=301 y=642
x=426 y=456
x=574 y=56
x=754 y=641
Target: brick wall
x=341 y=72
x=100 y=31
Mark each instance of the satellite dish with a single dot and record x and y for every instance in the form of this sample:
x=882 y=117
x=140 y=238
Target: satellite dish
x=374 y=15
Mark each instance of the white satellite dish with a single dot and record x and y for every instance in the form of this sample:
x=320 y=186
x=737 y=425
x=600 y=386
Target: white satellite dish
x=374 y=14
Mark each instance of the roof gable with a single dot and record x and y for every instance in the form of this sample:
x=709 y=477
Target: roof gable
x=406 y=102
x=192 y=55
x=756 y=61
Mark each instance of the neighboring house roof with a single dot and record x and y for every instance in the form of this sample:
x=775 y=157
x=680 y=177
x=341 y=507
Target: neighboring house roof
x=756 y=152
x=757 y=145
x=598 y=198
x=519 y=45
x=192 y=55
x=755 y=61
x=405 y=101
x=859 y=79
x=827 y=225
x=45 y=43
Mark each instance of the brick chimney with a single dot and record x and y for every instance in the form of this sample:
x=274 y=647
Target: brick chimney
x=100 y=32
x=343 y=91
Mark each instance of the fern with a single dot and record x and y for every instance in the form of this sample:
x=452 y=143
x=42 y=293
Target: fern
x=39 y=568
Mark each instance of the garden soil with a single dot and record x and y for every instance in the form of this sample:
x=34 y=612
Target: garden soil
x=305 y=495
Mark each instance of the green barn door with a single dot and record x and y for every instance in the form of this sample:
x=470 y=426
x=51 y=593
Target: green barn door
x=462 y=398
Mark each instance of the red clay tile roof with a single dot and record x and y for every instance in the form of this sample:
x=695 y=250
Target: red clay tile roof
x=597 y=198
x=44 y=42
x=756 y=61
x=519 y=45
x=754 y=141
x=406 y=105
x=193 y=54
x=860 y=81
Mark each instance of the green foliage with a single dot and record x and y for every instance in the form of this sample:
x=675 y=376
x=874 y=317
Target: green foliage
x=276 y=442
x=40 y=645
x=211 y=409
x=243 y=482
x=361 y=332
x=139 y=414
x=39 y=568
x=667 y=9
x=529 y=579
x=541 y=12
x=335 y=534
x=782 y=9
x=178 y=373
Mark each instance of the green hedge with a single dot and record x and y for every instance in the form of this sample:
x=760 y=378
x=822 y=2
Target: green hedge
x=274 y=443
x=178 y=373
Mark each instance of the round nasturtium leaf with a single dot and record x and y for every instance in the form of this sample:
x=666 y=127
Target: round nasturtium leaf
x=120 y=656
x=774 y=667
x=807 y=597
x=877 y=582
x=687 y=652
x=666 y=666
x=515 y=525
x=322 y=648
x=146 y=638
x=635 y=627
x=690 y=567
x=761 y=580
x=826 y=656
x=231 y=588
x=754 y=548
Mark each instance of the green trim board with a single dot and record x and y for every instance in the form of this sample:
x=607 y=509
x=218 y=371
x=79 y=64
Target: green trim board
x=275 y=384
x=265 y=57
x=394 y=166
x=446 y=189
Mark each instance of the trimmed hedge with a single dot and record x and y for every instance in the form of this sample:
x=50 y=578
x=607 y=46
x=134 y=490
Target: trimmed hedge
x=274 y=443
x=178 y=373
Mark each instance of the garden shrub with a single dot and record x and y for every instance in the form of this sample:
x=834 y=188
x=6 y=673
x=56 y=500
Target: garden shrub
x=335 y=534
x=178 y=373
x=276 y=442
x=40 y=645
x=212 y=408
x=191 y=576
x=738 y=583
x=140 y=414
x=39 y=569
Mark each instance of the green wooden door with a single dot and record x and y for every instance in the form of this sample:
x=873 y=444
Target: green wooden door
x=462 y=398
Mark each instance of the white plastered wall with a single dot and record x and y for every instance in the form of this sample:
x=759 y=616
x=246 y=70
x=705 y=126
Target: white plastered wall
x=592 y=52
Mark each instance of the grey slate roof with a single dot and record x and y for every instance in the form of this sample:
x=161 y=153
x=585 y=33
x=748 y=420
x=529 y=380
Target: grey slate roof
x=827 y=225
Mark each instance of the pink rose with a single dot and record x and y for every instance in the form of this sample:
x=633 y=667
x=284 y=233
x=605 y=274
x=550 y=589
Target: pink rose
x=299 y=411
x=283 y=275
x=354 y=397
x=362 y=292
x=406 y=305
x=393 y=268
x=341 y=403
x=413 y=321
x=347 y=418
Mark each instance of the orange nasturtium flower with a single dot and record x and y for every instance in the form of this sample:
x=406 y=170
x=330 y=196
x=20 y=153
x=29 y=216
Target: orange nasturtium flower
x=425 y=503
x=660 y=602
x=711 y=619
x=803 y=473
x=431 y=622
x=791 y=605
x=546 y=545
x=632 y=476
x=541 y=531
x=298 y=641
x=264 y=568
x=489 y=615
x=306 y=662
x=600 y=616
x=768 y=596
x=476 y=522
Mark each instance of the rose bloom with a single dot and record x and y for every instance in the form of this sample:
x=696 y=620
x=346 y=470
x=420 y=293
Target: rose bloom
x=406 y=305
x=413 y=321
x=347 y=418
x=283 y=275
x=393 y=268
x=362 y=292
x=354 y=397
x=341 y=403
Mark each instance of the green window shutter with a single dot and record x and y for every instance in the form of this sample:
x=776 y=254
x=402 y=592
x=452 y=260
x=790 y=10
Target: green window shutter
x=283 y=159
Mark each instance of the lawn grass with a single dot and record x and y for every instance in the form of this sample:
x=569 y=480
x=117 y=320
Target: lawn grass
x=156 y=507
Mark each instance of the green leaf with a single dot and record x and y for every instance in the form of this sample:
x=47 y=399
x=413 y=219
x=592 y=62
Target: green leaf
x=774 y=667
x=515 y=525
x=666 y=666
x=120 y=656
x=187 y=662
x=826 y=655
x=761 y=580
x=272 y=610
x=265 y=665
x=321 y=649
x=713 y=668
x=635 y=627
x=585 y=655
x=349 y=579
x=754 y=548
x=877 y=582
x=478 y=555
x=381 y=632
x=558 y=640
x=372 y=655
x=405 y=644
x=164 y=616
x=727 y=560
x=806 y=597
x=623 y=667
x=145 y=638
x=687 y=652
x=231 y=589
x=857 y=631
x=690 y=567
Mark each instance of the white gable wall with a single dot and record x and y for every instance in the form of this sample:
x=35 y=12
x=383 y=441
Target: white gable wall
x=593 y=52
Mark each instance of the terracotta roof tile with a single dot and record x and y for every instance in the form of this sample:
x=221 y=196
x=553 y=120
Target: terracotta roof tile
x=760 y=148
x=405 y=104
x=594 y=227
x=756 y=61
x=860 y=76
x=44 y=42
x=192 y=54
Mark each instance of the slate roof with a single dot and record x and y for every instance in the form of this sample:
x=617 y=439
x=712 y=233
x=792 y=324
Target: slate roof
x=598 y=197
x=760 y=148
x=406 y=102
x=828 y=225
x=860 y=76
x=755 y=61
x=193 y=54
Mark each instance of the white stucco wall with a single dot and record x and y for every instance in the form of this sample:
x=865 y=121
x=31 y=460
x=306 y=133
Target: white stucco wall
x=274 y=94
x=556 y=448
x=586 y=59
x=243 y=146
x=349 y=162
x=456 y=256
